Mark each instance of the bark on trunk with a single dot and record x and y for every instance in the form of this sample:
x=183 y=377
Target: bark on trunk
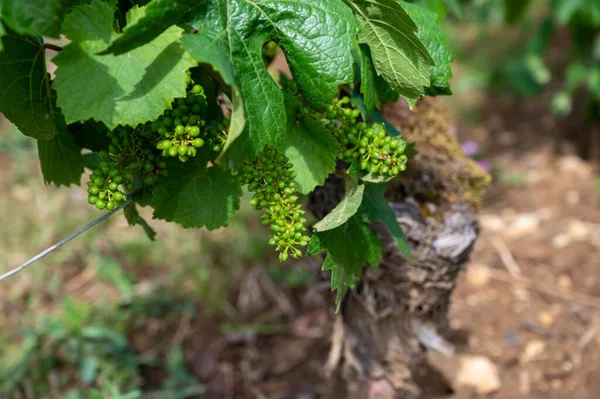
x=398 y=312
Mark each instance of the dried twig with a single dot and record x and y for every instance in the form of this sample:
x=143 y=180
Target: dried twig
x=507 y=259
x=533 y=285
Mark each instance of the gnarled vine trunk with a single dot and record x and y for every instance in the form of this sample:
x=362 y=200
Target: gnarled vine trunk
x=399 y=311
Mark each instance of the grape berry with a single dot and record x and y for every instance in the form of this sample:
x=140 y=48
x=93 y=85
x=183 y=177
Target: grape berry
x=270 y=177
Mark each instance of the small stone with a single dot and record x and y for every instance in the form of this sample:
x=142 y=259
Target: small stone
x=572 y=163
x=472 y=371
x=532 y=350
x=524 y=223
x=478 y=276
x=564 y=282
x=556 y=383
x=578 y=230
x=478 y=372
x=561 y=241
x=492 y=223
x=573 y=197
x=546 y=318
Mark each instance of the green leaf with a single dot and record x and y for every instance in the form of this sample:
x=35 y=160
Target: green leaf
x=210 y=45
x=196 y=196
x=2 y=32
x=97 y=332
x=160 y=16
x=60 y=159
x=347 y=207
x=514 y=9
x=436 y=6
x=565 y=9
x=88 y=369
x=315 y=36
x=434 y=38
x=375 y=178
x=237 y=124
x=398 y=54
x=310 y=147
x=128 y=89
x=37 y=17
x=369 y=82
x=133 y=218
x=31 y=17
x=349 y=247
x=376 y=207
x=25 y=95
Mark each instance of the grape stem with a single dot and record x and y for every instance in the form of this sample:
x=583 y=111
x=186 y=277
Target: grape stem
x=64 y=241
x=51 y=46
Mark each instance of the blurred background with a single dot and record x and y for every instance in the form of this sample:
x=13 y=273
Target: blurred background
x=213 y=314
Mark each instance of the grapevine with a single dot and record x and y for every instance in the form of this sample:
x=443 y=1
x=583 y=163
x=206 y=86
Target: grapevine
x=186 y=112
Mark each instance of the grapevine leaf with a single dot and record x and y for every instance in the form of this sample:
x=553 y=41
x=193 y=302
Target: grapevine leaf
x=238 y=122
x=353 y=171
x=339 y=279
x=37 y=17
x=347 y=207
x=376 y=207
x=25 y=95
x=133 y=218
x=159 y=17
x=209 y=45
x=60 y=159
x=196 y=196
x=128 y=89
x=349 y=246
x=305 y=31
x=368 y=82
x=434 y=38
x=375 y=178
x=398 y=54
x=311 y=148
x=32 y=17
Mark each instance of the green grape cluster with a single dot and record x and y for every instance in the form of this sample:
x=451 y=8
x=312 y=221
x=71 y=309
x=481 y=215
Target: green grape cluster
x=179 y=129
x=367 y=144
x=216 y=135
x=130 y=154
x=270 y=177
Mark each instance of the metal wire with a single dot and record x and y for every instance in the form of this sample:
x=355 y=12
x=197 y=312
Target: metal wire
x=64 y=241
